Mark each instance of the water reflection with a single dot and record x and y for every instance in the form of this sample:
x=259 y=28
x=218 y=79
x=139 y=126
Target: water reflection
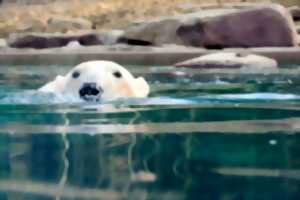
x=173 y=166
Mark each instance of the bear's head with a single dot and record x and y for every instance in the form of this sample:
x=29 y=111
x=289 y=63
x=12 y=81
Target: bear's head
x=96 y=80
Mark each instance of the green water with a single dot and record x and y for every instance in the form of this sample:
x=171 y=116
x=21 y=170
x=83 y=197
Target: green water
x=200 y=135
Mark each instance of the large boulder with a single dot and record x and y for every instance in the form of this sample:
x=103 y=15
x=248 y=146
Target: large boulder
x=255 y=27
x=230 y=60
x=51 y=40
x=163 y=30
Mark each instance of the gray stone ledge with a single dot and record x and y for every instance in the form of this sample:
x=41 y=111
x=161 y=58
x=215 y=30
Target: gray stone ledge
x=167 y=55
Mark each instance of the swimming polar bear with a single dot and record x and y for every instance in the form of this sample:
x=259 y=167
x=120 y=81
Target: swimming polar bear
x=98 y=80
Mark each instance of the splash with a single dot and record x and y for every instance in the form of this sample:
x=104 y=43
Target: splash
x=38 y=98
x=34 y=97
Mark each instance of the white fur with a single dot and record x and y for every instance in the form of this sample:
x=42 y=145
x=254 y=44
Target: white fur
x=100 y=72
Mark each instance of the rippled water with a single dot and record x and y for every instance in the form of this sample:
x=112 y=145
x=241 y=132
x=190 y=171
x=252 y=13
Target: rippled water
x=200 y=135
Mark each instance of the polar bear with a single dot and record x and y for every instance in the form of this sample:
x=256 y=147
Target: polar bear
x=98 y=80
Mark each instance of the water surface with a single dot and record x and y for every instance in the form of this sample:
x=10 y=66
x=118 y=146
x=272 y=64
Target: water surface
x=200 y=135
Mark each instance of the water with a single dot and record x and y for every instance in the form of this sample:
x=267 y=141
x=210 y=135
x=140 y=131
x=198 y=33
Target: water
x=200 y=135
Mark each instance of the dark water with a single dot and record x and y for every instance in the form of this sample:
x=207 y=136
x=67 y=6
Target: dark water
x=201 y=135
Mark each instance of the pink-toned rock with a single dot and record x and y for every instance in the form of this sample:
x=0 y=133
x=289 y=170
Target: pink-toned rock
x=255 y=27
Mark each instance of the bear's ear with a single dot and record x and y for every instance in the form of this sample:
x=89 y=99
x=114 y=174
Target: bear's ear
x=141 y=87
x=57 y=85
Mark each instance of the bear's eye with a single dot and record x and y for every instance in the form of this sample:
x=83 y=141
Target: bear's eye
x=75 y=74
x=117 y=74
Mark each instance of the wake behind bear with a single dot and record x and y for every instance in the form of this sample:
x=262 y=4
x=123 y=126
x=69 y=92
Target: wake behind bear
x=98 y=80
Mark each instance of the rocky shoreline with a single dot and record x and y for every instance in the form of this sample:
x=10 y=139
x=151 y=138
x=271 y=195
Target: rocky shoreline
x=264 y=29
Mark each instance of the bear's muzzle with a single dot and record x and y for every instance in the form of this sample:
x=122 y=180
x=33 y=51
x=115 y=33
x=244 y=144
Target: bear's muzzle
x=90 y=92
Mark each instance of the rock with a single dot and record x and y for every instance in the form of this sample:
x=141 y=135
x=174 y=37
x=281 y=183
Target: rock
x=230 y=60
x=25 y=24
x=295 y=12
x=63 y=24
x=47 y=40
x=111 y=37
x=154 y=32
x=163 y=30
x=269 y=25
x=255 y=27
x=41 y=41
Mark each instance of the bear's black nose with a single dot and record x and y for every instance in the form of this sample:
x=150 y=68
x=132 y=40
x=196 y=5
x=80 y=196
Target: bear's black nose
x=89 y=90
